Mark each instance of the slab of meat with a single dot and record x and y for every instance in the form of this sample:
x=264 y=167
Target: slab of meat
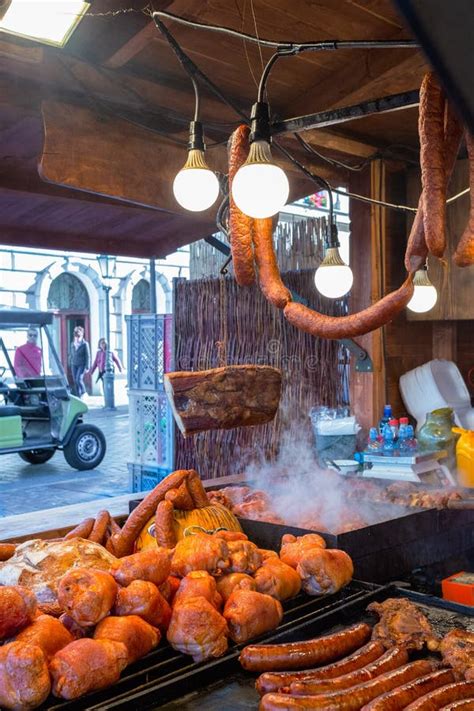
x=402 y=623
x=196 y=628
x=457 y=649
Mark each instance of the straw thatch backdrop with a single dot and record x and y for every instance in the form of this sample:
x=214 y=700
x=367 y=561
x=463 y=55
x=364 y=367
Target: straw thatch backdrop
x=215 y=320
x=298 y=244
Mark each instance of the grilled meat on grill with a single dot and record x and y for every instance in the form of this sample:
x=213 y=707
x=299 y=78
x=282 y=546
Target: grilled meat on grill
x=457 y=649
x=402 y=623
x=199 y=552
x=196 y=628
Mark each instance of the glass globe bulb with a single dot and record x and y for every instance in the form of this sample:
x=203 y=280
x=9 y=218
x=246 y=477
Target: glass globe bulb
x=423 y=299
x=425 y=295
x=260 y=188
x=196 y=189
x=333 y=278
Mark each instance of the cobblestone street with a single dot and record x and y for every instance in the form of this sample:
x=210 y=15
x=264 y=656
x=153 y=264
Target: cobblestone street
x=25 y=487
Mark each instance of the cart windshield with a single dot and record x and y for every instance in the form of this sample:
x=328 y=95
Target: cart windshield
x=27 y=355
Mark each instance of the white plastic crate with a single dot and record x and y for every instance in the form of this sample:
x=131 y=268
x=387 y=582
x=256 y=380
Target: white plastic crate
x=151 y=429
x=149 y=350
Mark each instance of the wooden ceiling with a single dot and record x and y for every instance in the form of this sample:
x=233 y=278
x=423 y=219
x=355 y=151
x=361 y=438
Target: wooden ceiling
x=90 y=134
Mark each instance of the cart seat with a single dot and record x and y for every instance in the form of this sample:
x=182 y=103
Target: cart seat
x=10 y=411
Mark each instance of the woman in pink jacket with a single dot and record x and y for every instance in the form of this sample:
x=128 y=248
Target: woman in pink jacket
x=100 y=360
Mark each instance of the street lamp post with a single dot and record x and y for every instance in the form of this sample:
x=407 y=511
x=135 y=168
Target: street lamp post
x=107 y=270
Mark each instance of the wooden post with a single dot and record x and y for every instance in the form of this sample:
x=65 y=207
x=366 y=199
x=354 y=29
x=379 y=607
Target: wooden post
x=367 y=253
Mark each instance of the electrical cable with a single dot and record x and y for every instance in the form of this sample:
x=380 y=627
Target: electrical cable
x=293 y=47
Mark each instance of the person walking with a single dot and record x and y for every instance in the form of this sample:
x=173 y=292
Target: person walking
x=79 y=360
x=100 y=360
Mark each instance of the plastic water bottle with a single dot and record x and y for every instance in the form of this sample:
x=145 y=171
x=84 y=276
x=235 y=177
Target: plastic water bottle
x=403 y=439
x=388 y=441
x=373 y=445
x=411 y=442
x=387 y=416
x=393 y=424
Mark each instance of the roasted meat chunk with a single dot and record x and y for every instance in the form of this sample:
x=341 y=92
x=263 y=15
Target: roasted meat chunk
x=152 y=564
x=137 y=635
x=196 y=628
x=145 y=600
x=250 y=613
x=199 y=552
x=226 y=584
x=87 y=595
x=17 y=609
x=87 y=665
x=277 y=579
x=324 y=571
x=245 y=557
x=293 y=548
x=457 y=649
x=48 y=633
x=402 y=623
x=198 y=583
x=24 y=676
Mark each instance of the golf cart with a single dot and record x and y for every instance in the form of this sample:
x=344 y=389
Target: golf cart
x=38 y=414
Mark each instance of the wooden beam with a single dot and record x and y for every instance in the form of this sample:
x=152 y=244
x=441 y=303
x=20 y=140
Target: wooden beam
x=331 y=140
x=131 y=48
x=364 y=79
x=445 y=340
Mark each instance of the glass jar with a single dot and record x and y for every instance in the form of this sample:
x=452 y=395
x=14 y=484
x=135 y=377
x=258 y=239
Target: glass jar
x=437 y=434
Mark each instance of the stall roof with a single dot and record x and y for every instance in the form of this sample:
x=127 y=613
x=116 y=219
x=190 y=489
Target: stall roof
x=90 y=133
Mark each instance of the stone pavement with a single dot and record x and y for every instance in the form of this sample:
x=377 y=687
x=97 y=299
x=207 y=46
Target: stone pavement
x=26 y=487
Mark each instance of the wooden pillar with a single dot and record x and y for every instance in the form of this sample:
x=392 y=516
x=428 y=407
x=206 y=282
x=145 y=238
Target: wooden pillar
x=368 y=230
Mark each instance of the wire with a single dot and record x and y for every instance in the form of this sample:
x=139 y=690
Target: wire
x=294 y=47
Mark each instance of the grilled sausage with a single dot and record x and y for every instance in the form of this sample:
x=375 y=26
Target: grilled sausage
x=276 y=681
x=122 y=543
x=164 y=530
x=83 y=530
x=99 y=528
x=180 y=498
x=197 y=490
x=397 y=699
x=240 y=225
x=352 y=699
x=417 y=251
x=464 y=254
x=357 y=324
x=7 y=550
x=392 y=659
x=299 y=655
x=464 y=705
x=445 y=695
x=269 y=277
x=432 y=159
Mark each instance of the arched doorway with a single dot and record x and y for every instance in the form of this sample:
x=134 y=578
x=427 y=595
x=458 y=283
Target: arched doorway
x=69 y=299
x=141 y=297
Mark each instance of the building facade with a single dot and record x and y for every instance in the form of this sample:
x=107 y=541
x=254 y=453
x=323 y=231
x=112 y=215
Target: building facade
x=71 y=285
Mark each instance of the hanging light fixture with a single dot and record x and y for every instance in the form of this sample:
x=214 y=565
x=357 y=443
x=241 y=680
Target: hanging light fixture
x=260 y=187
x=425 y=295
x=333 y=277
x=196 y=186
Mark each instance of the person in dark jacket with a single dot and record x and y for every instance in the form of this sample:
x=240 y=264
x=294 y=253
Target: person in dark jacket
x=79 y=360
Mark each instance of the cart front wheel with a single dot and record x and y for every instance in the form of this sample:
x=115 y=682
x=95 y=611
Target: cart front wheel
x=37 y=456
x=86 y=448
